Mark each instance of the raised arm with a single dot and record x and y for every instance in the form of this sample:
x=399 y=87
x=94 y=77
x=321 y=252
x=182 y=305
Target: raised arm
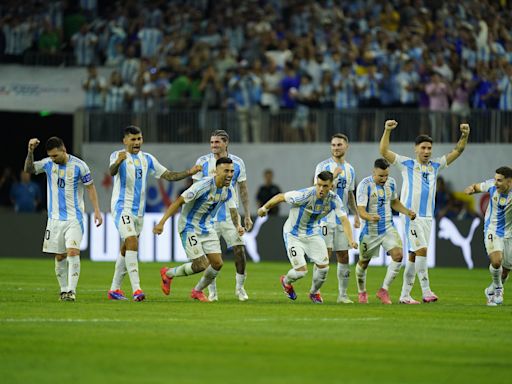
x=399 y=207
x=460 y=146
x=93 y=197
x=473 y=188
x=29 y=160
x=171 y=211
x=244 y=196
x=114 y=168
x=277 y=199
x=175 y=176
x=384 y=141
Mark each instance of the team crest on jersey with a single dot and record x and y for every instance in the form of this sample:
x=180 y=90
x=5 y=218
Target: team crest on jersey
x=503 y=201
x=342 y=173
x=430 y=168
x=62 y=173
x=380 y=192
x=318 y=207
x=70 y=172
x=136 y=162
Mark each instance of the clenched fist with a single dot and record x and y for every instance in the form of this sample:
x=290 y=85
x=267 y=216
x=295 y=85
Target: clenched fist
x=32 y=144
x=390 y=124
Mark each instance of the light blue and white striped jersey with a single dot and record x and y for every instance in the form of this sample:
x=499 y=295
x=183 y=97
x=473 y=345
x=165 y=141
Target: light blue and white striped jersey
x=208 y=163
x=84 y=47
x=404 y=80
x=202 y=201
x=150 y=40
x=370 y=86
x=130 y=182
x=346 y=93
x=505 y=88
x=307 y=211
x=344 y=183
x=419 y=183
x=498 y=216
x=377 y=201
x=65 y=192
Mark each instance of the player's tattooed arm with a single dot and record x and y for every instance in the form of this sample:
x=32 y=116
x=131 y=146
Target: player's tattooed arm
x=473 y=188
x=461 y=144
x=29 y=160
x=114 y=168
x=384 y=141
x=244 y=195
x=353 y=208
x=234 y=217
x=175 y=176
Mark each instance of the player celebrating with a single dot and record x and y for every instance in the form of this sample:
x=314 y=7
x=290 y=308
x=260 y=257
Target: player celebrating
x=419 y=178
x=497 y=230
x=130 y=168
x=219 y=141
x=65 y=175
x=302 y=232
x=376 y=197
x=201 y=203
x=332 y=230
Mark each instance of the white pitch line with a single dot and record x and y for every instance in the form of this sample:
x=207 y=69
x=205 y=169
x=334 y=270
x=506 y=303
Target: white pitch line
x=263 y=319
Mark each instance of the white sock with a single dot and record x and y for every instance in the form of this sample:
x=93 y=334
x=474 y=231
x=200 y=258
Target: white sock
x=119 y=272
x=361 y=278
x=293 y=276
x=393 y=270
x=343 y=273
x=240 y=280
x=208 y=277
x=319 y=277
x=132 y=265
x=409 y=277
x=61 y=271
x=496 y=276
x=73 y=272
x=180 y=270
x=422 y=272
x=212 y=288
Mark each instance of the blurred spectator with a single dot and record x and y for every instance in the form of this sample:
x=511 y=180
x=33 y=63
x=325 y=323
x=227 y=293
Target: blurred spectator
x=94 y=86
x=306 y=97
x=117 y=94
x=25 y=195
x=408 y=81
x=443 y=194
x=49 y=40
x=438 y=92
x=84 y=43
x=267 y=191
x=7 y=180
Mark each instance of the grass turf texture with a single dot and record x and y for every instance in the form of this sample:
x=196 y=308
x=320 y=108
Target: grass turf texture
x=268 y=339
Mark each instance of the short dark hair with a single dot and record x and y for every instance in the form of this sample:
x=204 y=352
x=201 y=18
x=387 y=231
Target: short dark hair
x=132 y=130
x=381 y=164
x=340 y=136
x=223 y=160
x=221 y=133
x=54 y=142
x=423 y=138
x=505 y=171
x=325 y=176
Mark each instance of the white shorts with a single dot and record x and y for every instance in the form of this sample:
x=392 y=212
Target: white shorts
x=228 y=232
x=494 y=243
x=334 y=236
x=129 y=225
x=199 y=245
x=418 y=232
x=61 y=235
x=312 y=246
x=369 y=245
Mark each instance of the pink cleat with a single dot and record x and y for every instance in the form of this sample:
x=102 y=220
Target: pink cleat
x=166 y=281
x=199 y=295
x=138 y=295
x=408 y=300
x=429 y=297
x=316 y=298
x=363 y=298
x=383 y=296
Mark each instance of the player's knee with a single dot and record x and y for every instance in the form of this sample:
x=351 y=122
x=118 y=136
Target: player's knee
x=342 y=257
x=131 y=243
x=60 y=257
x=301 y=273
x=397 y=256
x=199 y=265
x=239 y=252
x=496 y=264
x=216 y=264
x=73 y=252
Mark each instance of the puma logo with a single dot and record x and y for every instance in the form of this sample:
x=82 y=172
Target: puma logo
x=251 y=245
x=448 y=231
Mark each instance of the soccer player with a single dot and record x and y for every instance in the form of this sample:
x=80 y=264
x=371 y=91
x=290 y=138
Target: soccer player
x=497 y=230
x=201 y=202
x=419 y=177
x=219 y=142
x=332 y=230
x=65 y=175
x=302 y=233
x=130 y=168
x=376 y=197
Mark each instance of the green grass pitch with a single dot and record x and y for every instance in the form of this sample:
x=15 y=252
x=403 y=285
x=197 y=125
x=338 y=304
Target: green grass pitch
x=268 y=339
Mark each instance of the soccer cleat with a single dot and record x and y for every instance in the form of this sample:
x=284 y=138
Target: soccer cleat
x=138 y=295
x=166 y=281
x=498 y=296
x=344 y=299
x=63 y=296
x=199 y=295
x=212 y=295
x=241 y=294
x=288 y=289
x=70 y=296
x=363 y=298
x=408 y=300
x=116 y=295
x=383 y=296
x=316 y=298
x=429 y=297
x=489 y=294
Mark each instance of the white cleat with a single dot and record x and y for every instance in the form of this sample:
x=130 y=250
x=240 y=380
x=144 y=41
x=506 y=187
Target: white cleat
x=241 y=294
x=344 y=299
x=498 y=296
x=408 y=300
x=212 y=295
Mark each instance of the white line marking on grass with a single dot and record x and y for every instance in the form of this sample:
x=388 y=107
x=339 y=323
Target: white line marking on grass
x=43 y=320
x=317 y=319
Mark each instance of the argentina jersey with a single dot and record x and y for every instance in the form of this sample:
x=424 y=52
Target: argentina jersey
x=208 y=163
x=419 y=183
x=130 y=182
x=65 y=192
x=377 y=201
x=307 y=210
x=344 y=183
x=498 y=216
x=202 y=201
